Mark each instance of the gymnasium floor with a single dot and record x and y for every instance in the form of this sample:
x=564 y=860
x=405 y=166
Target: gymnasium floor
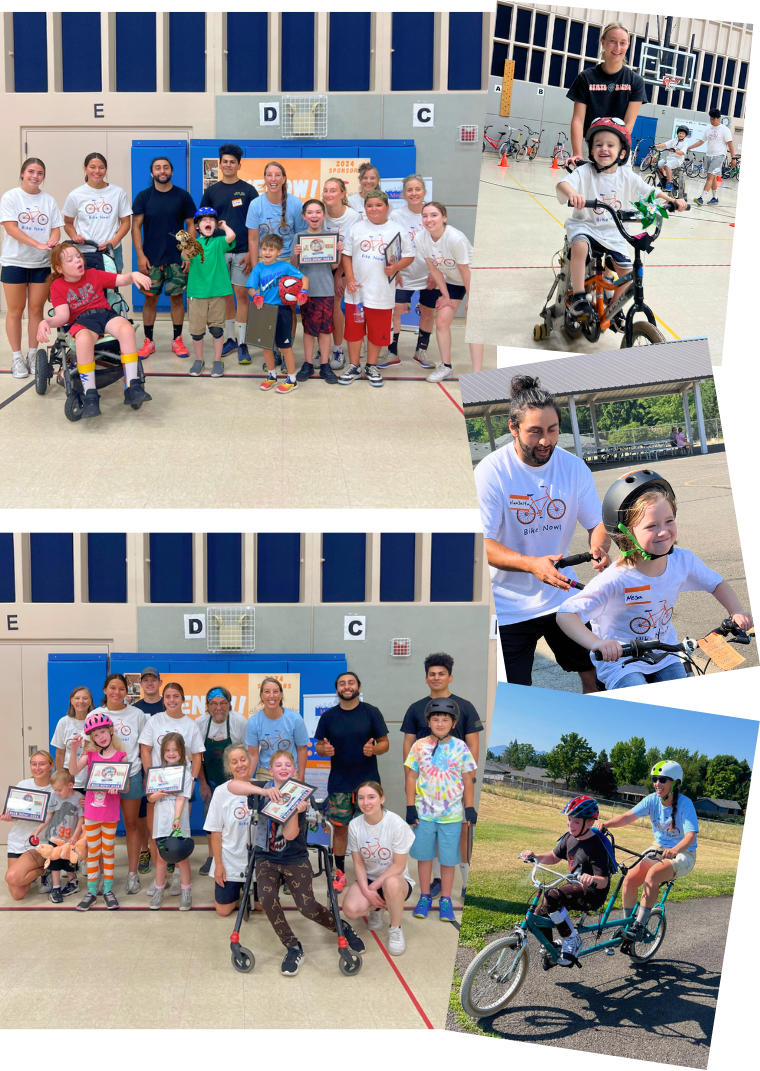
x=520 y=226
x=166 y=970
x=224 y=443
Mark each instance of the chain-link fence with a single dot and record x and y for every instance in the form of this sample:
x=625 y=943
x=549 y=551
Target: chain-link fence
x=660 y=432
x=549 y=795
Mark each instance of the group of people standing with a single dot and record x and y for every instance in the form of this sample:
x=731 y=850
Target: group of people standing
x=233 y=759
x=349 y=301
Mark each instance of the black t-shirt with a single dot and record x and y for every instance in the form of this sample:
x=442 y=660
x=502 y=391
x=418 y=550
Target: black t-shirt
x=606 y=95
x=590 y=855
x=279 y=850
x=348 y=731
x=231 y=200
x=149 y=708
x=467 y=722
x=165 y=214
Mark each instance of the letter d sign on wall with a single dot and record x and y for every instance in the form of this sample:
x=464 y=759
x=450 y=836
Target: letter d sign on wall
x=354 y=627
x=423 y=115
x=195 y=626
x=269 y=113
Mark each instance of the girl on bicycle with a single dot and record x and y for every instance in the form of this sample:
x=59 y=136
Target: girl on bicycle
x=78 y=296
x=339 y=217
x=171 y=811
x=24 y=863
x=584 y=851
x=675 y=826
x=448 y=255
x=369 y=180
x=98 y=211
x=635 y=598
x=32 y=222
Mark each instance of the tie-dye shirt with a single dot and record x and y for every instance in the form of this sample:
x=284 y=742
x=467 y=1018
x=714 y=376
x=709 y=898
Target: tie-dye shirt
x=440 y=784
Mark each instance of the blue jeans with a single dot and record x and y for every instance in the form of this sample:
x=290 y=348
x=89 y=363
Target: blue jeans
x=673 y=672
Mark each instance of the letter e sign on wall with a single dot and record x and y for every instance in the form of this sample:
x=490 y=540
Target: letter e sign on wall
x=354 y=627
x=423 y=115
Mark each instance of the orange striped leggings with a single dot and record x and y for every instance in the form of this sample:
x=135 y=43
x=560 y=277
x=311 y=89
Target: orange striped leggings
x=101 y=839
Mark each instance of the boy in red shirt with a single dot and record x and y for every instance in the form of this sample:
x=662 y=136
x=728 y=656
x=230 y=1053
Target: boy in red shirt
x=78 y=296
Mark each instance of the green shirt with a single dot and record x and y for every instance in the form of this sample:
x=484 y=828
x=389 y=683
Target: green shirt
x=210 y=279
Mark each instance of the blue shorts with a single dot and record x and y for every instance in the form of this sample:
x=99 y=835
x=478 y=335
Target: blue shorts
x=134 y=789
x=428 y=834
x=229 y=893
x=12 y=273
x=595 y=246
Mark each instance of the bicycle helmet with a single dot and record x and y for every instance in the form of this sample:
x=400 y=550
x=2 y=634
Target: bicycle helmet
x=97 y=720
x=667 y=768
x=175 y=847
x=616 y=127
x=442 y=706
x=581 y=807
x=623 y=493
x=205 y=213
x=683 y=130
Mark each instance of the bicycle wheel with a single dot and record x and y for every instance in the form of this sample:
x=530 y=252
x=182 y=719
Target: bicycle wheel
x=667 y=614
x=526 y=516
x=644 y=334
x=494 y=978
x=556 y=509
x=640 y=625
x=562 y=157
x=656 y=926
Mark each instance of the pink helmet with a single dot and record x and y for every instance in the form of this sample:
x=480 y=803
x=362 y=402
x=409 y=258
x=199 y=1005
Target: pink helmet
x=97 y=720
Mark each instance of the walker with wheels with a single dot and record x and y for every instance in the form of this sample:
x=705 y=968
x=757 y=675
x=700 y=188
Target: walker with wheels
x=627 y=292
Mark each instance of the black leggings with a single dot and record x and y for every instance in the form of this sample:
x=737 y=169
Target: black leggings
x=574 y=897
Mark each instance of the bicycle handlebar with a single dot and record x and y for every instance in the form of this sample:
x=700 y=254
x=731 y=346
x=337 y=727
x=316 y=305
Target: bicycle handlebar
x=637 y=648
x=574 y=559
x=561 y=878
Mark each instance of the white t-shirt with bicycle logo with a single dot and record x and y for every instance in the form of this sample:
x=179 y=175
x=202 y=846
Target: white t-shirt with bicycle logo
x=97 y=214
x=229 y=815
x=365 y=244
x=619 y=190
x=533 y=510
x=452 y=249
x=416 y=275
x=127 y=725
x=377 y=844
x=37 y=215
x=623 y=604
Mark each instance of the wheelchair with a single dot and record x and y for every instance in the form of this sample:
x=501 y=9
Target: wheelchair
x=60 y=360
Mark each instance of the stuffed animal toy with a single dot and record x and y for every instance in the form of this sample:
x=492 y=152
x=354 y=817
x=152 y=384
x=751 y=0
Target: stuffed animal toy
x=189 y=247
x=60 y=849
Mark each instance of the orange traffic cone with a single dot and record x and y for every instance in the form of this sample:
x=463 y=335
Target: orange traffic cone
x=503 y=161
x=555 y=165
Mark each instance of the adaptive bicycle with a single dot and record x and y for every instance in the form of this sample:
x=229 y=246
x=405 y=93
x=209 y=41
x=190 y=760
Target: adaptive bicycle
x=496 y=975
x=627 y=291
x=530 y=146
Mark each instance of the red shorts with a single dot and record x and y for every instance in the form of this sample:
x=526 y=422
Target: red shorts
x=377 y=325
x=317 y=316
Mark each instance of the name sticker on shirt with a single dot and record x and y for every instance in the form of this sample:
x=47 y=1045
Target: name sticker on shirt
x=238 y=201
x=638 y=596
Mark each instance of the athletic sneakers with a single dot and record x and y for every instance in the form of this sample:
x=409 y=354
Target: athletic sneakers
x=45 y=885
x=206 y=868
x=698 y=201
x=286 y=386
x=229 y=346
x=217 y=369
x=244 y=356
x=712 y=201
x=435 y=888
x=326 y=373
x=446 y=909
x=306 y=371
x=339 y=881
x=293 y=959
x=135 y=394
x=18 y=367
x=144 y=865
x=31 y=357
x=355 y=942
x=70 y=887
x=396 y=942
x=91 y=404
x=338 y=358
x=151 y=889
x=111 y=902
x=443 y=371
x=176 y=887
x=148 y=347
x=350 y=375
x=269 y=382
x=373 y=375
x=423 y=907
x=158 y=895
x=570 y=946
x=669 y=186
x=375 y=918
x=133 y=884
x=86 y=903
x=186 y=902
x=179 y=347
x=55 y=896
x=388 y=359
x=196 y=369
x=421 y=358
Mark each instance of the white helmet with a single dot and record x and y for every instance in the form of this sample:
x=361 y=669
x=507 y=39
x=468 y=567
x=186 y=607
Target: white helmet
x=667 y=768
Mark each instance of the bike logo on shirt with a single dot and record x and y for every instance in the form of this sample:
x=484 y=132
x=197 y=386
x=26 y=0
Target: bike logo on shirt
x=610 y=199
x=282 y=745
x=241 y=812
x=528 y=507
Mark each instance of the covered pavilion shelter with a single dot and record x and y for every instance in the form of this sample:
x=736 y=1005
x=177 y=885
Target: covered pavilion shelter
x=595 y=378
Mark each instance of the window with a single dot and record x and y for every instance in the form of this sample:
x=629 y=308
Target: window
x=725 y=102
x=522 y=26
x=730 y=72
x=743 y=71
x=30 y=52
x=714 y=97
x=52 y=566
x=592 y=41
x=412 y=42
x=688 y=99
x=675 y=99
x=107 y=567
x=576 y=38
x=278 y=567
x=500 y=56
x=648 y=90
x=187 y=52
x=297 y=52
x=80 y=29
x=555 y=70
x=707 y=66
x=702 y=98
x=397 y=555
x=637 y=52
x=559 y=34
x=718 y=70
x=344 y=566
x=350 y=44
x=7 y=568
x=540 y=28
x=465 y=50
x=224 y=567
x=738 y=105
x=503 y=21
x=135 y=52
x=171 y=567
x=451 y=567
x=247 y=51
x=536 y=66
x=520 y=56
x=571 y=71
x=662 y=95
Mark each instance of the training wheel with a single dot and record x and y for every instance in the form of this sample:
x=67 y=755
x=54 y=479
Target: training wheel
x=242 y=959
x=73 y=406
x=539 y=332
x=349 y=963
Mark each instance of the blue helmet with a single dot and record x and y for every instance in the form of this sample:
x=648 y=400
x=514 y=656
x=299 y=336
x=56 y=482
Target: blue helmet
x=581 y=807
x=205 y=213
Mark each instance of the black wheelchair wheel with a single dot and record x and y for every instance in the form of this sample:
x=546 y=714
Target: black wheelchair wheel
x=349 y=962
x=74 y=406
x=243 y=959
x=42 y=372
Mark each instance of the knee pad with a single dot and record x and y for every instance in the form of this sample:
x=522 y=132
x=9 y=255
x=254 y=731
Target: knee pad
x=216 y=332
x=197 y=338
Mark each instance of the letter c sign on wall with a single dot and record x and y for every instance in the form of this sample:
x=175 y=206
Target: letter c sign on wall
x=354 y=627
x=423 y=115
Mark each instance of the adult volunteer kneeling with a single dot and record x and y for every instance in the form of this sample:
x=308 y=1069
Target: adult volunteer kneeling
x=531 y=494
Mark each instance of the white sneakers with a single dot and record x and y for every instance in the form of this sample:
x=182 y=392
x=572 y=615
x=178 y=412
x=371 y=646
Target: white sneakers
x=396 y=942
x=375 y=918
x=443 y=371
x=176 y=886
x=19 y=369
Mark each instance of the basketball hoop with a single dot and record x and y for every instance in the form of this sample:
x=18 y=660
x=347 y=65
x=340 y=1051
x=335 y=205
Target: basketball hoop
x=671 y=80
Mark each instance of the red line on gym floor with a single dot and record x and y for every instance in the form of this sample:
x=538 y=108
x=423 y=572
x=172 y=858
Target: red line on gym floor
x=453 y=400
x=146 y=907
x=255 y=375
x=542 y=267
x=403 y=980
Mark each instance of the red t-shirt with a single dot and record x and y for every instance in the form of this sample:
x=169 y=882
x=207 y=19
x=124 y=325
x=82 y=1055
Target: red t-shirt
x=88 y=293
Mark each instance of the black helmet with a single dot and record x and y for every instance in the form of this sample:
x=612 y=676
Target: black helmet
x=442 y=706
x=175 y=847
x=623 y=493
x=683 y=129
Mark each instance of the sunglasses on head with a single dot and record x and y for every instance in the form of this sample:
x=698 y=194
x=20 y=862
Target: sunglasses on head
x=661 y=780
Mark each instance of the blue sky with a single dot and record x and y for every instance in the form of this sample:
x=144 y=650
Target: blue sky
x=539 y=716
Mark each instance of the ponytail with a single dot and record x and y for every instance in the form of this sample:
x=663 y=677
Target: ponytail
x=673 y=812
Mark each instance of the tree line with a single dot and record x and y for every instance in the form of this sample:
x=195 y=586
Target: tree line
x=629 y=762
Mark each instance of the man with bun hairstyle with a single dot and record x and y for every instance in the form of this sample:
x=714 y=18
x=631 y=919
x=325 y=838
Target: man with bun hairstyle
x=532 y=494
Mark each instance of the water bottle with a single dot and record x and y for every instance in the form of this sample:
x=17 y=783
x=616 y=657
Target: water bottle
x=359 y=314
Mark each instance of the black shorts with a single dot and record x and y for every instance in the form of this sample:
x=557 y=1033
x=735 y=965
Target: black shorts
x=229 y=893
x=518 y=645
x=94 y=320
x=408 y=890
x=12 y=273
x=15 y=855
x=283 y=332
x=62 y=864
x=428 y=298
x=143 y=812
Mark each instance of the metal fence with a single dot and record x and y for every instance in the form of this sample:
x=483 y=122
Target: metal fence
x=636 y=434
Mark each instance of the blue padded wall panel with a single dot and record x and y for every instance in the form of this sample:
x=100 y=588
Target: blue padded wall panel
x=247 y=51
x=171 y=567
x=52 y=566
x=451 y=570
x=397 y=566
x=65 y=672
x=7 y=568
x=135 y=52
x=81 y=29
x=278 y=567
x=107 y=567
x=344 y=567
x=297 y=52
x=224 y=567
x=187 y=52
x=350 y=43
x=465 y=49
x=30 y=52
x=412 y=59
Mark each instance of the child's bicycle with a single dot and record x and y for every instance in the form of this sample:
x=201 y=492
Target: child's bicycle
x=659 y=179
x=650 y=159
x=604 y=312
x=501 y=147
x=529 y=147
x=694 y=168
x=559 y=152
x=496 y=975
x=731 y=171
x=637 y=164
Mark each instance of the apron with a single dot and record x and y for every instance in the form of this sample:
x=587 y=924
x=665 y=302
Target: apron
x=213 y=763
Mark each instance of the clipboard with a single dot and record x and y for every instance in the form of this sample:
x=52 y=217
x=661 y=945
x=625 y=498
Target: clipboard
x=262 y=324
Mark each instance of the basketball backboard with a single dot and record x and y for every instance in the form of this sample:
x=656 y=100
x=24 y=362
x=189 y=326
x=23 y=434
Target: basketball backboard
x=667 y=66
